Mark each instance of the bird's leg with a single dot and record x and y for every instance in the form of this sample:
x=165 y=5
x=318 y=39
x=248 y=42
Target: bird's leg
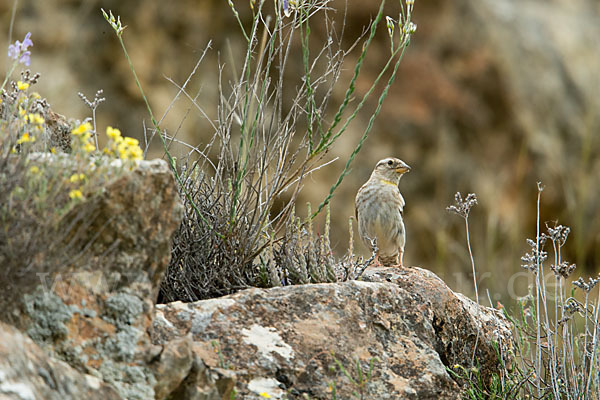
x=400 y=256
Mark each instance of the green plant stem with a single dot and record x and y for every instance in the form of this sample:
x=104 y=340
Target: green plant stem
x=237 y=184
x=12 y=69
x=382 y=97
x=171 y=160
x=351 y=87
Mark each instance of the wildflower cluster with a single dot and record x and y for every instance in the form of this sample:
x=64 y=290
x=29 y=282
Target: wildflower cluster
x=463 y=207
x=533 y=260
x=83 y=138
x=115 y=23
x=406 y=27
x=22 y=113
x=77 y=179
x=558 y=236
x=564 y=269
x=19 y=52
x=586 y=286
x=288 y=6
x=125 y=148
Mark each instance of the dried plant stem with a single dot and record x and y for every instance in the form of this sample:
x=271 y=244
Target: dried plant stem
x=472 y=260
x=538 y=347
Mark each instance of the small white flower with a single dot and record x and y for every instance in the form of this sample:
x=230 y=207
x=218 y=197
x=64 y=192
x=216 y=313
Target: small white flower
x=390 y=25
x=410 y=28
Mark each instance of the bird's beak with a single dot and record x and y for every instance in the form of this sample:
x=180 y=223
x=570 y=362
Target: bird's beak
x=402 y=169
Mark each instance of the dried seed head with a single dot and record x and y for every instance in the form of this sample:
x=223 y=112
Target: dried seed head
x=463 y=207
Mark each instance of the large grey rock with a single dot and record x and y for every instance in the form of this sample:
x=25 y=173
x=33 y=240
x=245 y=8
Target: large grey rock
x=28 y=373
x=296 y=340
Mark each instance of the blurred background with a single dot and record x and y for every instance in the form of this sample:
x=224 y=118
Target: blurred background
x=492 y=96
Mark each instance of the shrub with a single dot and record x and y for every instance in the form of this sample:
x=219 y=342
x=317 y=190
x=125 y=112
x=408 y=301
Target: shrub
x=556 y=333
x=49 y=168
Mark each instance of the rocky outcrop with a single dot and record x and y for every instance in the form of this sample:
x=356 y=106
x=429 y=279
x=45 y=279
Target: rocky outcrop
x=94 y=312
x=389 y=338
x=98 y=333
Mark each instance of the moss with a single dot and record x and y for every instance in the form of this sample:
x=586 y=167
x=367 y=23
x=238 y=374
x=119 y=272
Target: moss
x=48 y=314
x=132 y=382
x=123 y=309
x=123 y=345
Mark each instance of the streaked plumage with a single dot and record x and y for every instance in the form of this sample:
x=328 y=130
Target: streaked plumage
x=379 y=207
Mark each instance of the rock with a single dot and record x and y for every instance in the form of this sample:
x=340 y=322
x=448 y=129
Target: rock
x=94 y=312
x=205 y=383
x=399 y=336
x=460 y=325
x=175 y=363
x=121 y=237
x=27 y=373
x=137 y=214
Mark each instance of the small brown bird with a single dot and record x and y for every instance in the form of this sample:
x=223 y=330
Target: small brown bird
x=379 y=206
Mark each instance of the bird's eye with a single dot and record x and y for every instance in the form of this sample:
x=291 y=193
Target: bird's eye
x=390 y=163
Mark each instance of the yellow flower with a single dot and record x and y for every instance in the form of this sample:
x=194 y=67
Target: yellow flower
x=122 y=153
x=131 y=141
x=35 y=118
x=108 y=151
x=135 y=153
x=76 y=177
x=89 y=147
x=53 y=150
x=34 y=170
x=75 y=194
x=22 y=85
x=26 y=138
x=113 y=133
x=81 y=129
x=265 y=395
x=36 y=95
x=22 y=112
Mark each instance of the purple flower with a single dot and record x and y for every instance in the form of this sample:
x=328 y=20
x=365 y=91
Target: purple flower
x=25 y=58
x=26 y=42
x=286 y=8
x=14 y=50
x=19 y=50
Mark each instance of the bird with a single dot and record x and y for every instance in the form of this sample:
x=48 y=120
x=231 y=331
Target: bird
x=379 y=207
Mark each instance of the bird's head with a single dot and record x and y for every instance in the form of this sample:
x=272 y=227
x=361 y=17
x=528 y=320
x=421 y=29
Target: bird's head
x=390 y=169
